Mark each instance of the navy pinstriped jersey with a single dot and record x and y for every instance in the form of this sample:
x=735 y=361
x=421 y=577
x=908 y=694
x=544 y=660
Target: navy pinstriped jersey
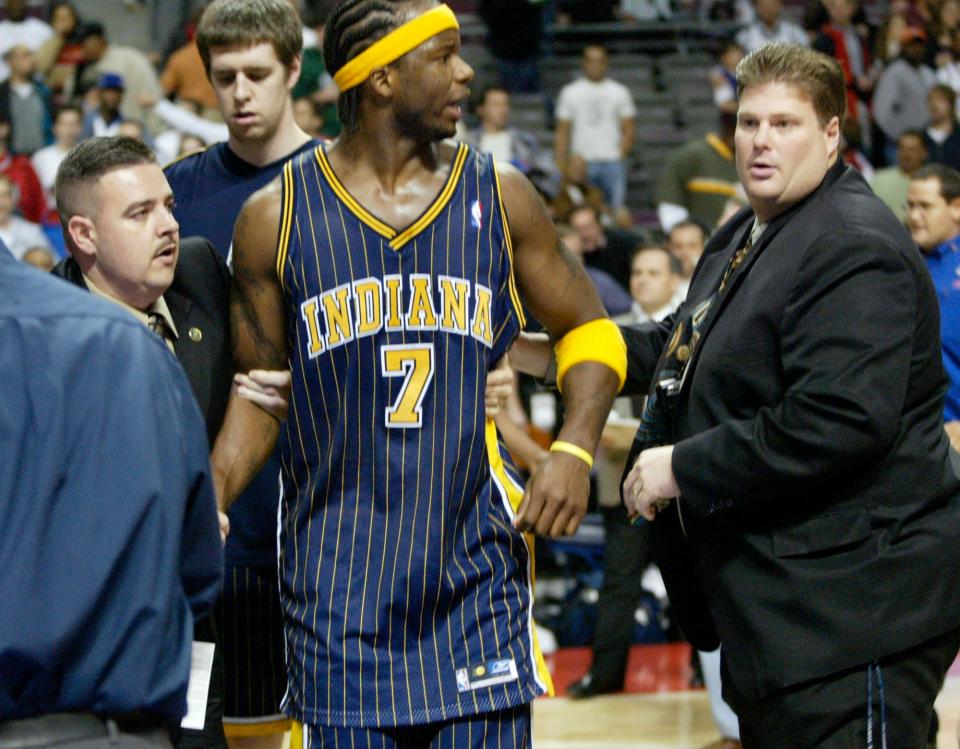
x=406 y=592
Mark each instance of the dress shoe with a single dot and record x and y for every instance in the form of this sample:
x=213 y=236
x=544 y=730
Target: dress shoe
x=586 y=688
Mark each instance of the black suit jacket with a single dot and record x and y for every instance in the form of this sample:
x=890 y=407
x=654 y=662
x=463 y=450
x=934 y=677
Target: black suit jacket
x=199 y=303
x=819 y=522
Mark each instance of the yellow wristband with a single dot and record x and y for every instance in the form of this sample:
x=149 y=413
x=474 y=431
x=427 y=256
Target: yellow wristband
x=559 y=446
x=599 y=341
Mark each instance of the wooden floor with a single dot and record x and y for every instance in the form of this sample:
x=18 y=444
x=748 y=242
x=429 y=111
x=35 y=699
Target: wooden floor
x=670 y=720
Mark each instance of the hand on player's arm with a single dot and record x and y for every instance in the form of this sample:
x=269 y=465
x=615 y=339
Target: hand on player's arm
x=560 y=295
x=267 y=388
x=500 y=383
x=258 y=322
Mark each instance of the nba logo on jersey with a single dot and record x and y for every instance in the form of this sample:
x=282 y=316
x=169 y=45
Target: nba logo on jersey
x=476 y=214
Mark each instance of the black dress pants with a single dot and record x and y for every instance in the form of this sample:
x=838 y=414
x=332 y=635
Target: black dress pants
x=626 y=553
x=883 y=704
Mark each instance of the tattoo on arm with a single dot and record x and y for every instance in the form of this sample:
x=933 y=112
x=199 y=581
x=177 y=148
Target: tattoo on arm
x=267 y=351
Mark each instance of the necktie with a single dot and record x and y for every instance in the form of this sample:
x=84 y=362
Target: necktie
x=737 y=260
x=157 y=324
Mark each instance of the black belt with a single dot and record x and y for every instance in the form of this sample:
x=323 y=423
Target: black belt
x=61 y=728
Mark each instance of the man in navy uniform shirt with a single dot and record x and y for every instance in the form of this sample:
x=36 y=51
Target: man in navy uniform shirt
x=109 y=534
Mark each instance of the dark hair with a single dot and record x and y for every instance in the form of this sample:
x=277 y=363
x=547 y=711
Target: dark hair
x=918 y=134
x=676 y=267
x=89 y=29
x=76 y=108
x=947 y=93
x=687 y=222
x=353 y=26
x=817 y=75
x=86 y=162
x=486 y=91
x=228 y=23
x=949 y=179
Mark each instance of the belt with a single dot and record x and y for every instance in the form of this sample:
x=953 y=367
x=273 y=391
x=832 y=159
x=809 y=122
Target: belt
x=61 y=728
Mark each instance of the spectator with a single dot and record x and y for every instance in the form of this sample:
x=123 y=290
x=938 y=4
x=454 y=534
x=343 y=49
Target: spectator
x=723 y=77
x=19 y=28
x=25 y=103
x=770 y=27
x=699 y=179
x=184 y=77
x=316 y=82
x=653 y=282
x=105 y=119
x=308 y=116
x=686 y=242
x=933 y=217
x=514 y=33
x=39 y=257
x=900 y=101
x=846 y=40
x=61 y=55
x=18 y=234
x=609 y=250
x=595 y=120
x=139 y=77
x=948 y=65
x=190 y=144
x=508 y=144
x=851 y=151
x=30 y=199
x=615 y=300
x=643 y=11
x=576 y=191
x=891 y=184
x=67 y=129
x=941 y=136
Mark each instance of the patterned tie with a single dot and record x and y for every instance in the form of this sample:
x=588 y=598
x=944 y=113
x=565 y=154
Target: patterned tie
x=737 y=260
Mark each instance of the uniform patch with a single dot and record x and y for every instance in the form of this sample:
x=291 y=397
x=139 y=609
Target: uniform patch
x=489 y=674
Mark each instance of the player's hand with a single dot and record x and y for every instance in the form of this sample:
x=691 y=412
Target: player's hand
x=267 y=388
x=224 y=522
x=499 y=387
x=555 y=498
x=650 y=485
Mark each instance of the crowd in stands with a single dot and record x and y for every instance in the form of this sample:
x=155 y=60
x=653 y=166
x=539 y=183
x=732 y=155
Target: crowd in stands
x=62 y=79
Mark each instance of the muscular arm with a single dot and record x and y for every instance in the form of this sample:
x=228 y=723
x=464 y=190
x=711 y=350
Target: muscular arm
x=258 y=324
x=560 y=295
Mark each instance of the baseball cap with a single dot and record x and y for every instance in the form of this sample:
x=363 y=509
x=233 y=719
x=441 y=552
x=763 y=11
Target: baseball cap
x=111 y=80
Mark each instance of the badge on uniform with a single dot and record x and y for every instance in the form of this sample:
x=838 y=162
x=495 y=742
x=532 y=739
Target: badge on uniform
x=489 y=674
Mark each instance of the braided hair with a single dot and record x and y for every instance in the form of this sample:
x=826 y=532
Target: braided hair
x=353 y=26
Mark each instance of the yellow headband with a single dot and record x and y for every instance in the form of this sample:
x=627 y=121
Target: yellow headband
x=395 y=45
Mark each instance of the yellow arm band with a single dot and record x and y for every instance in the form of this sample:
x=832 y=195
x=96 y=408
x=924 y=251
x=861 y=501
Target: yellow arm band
x=599 y=341
x=559 y=446
x=395 y=45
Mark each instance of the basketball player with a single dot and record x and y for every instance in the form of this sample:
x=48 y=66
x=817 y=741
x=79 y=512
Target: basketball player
x=251 y=51
x=382 y=270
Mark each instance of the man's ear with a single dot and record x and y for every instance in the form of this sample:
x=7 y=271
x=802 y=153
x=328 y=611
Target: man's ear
x=82 y=236
x=293 y=75
x=382 y=81
x=955 y=210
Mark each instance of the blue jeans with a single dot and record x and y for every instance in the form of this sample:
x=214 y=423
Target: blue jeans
x=611 y=177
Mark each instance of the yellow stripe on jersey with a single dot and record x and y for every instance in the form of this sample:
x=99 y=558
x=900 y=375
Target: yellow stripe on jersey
x=514 y=295
x=267 y=728
x=438 y=205
x=358 y=210
x=286 y=219
x=515 y=497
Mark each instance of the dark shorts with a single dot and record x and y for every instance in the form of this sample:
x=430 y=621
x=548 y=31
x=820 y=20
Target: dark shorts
x=251 y=633
x=506 y=729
